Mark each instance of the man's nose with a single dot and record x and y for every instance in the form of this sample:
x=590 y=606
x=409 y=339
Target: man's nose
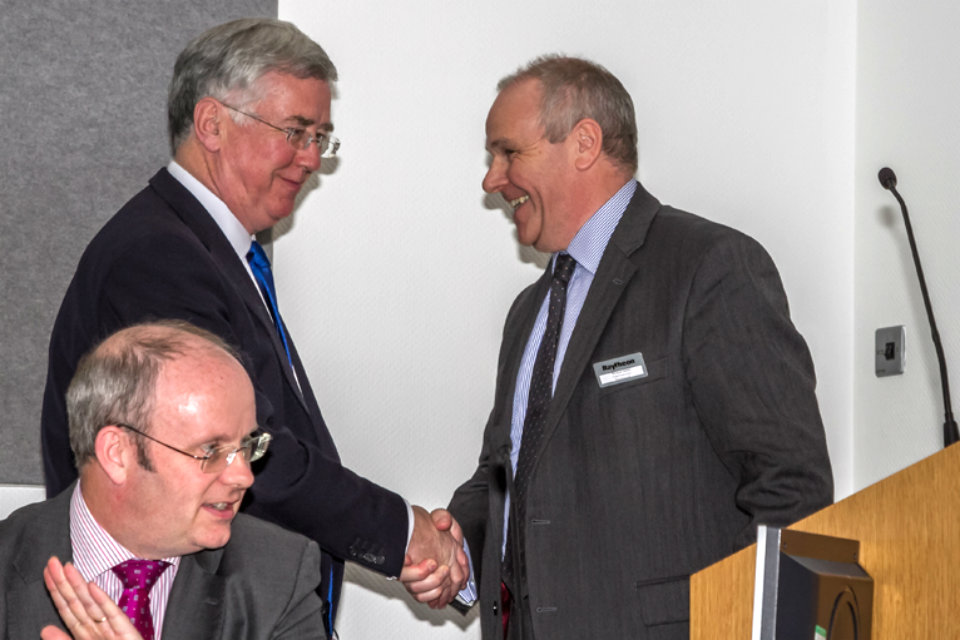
x=496 y=178
x=309 y=158
x=238 y=473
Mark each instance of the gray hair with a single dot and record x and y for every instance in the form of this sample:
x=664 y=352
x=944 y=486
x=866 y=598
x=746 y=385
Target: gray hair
x=115 y=382
x=233 y=57
x=574 y=89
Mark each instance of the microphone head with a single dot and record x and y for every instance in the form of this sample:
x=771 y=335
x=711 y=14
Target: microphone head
x=888 y=179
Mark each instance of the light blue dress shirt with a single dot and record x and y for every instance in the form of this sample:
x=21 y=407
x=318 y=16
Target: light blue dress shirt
x=587 y=249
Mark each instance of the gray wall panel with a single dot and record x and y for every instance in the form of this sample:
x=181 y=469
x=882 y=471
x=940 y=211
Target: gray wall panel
x=83 y=115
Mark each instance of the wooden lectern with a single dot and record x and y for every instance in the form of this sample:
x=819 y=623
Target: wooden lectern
x=908 y=526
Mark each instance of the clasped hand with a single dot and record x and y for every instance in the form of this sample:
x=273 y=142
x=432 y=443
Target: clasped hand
x=436 y=567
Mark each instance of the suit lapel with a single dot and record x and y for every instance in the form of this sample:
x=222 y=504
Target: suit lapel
x=196 y=218
x=196 y=605
x=251 y=296
x=514 y=343
x=226 y=258
x=614 y=273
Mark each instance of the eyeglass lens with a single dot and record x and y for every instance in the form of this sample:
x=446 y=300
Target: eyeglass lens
x=221 y=457
x=326 y=143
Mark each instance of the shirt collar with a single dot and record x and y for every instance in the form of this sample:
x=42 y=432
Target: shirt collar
x=591 y=241
x=94 y=550
x=236 y=235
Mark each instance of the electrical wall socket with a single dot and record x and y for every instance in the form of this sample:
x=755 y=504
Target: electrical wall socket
x=889 y=354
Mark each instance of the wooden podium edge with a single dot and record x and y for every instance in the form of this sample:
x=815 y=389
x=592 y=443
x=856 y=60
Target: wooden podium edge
x=908 y=525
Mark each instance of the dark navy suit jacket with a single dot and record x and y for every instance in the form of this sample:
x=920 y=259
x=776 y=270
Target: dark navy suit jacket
x=163 y=256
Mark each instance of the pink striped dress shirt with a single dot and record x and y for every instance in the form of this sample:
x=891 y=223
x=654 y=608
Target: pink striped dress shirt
x=95 y=552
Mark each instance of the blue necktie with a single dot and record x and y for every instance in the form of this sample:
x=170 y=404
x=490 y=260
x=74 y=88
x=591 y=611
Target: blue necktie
x=260 y=265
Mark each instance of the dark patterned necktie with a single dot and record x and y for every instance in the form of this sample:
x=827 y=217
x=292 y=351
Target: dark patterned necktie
x=138 y=576
x=260 y=265
x=541 y=392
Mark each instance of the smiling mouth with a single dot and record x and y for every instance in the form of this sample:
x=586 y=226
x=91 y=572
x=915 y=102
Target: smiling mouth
x=222 y=507
x=516 y=202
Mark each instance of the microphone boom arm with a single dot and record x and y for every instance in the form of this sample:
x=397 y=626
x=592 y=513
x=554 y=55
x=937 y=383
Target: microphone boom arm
x=950 y=433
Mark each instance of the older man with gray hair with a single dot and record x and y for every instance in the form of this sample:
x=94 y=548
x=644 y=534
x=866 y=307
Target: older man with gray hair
x=249 y=122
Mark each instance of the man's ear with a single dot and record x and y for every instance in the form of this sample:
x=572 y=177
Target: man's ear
x=587 y=137
x=208 y=115
x=116 y=452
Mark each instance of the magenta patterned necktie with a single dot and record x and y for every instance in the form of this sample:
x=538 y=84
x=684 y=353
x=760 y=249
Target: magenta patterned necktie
x=138 y=576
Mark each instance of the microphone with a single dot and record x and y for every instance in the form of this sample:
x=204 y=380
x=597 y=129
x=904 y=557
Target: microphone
x=888 y=180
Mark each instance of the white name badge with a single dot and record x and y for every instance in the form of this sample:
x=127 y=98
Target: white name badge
x=621 y=369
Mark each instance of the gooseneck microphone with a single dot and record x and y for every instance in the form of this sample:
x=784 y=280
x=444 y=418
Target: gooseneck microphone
x=888 y=180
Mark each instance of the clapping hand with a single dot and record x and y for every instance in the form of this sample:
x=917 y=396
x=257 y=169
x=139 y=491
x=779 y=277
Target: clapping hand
x=85 y=609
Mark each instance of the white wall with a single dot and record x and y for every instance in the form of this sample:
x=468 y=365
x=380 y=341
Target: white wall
x=907 y=93
x=397 y=272
x=14 y=496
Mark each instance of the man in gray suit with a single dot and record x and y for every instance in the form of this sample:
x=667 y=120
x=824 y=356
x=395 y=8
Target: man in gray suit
x=163 y=424
x=654 y=402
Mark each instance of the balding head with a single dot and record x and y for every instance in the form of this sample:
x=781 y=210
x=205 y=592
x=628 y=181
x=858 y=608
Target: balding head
x=163 y=423
x=115 y=383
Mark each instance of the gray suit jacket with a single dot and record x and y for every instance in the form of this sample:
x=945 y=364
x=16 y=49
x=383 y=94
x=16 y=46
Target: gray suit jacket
x=639 y=484
x=260 y=585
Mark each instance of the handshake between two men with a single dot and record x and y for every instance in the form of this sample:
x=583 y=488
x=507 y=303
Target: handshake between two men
x=436 y=567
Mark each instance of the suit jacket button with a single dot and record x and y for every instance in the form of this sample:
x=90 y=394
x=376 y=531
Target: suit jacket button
x=496 y=607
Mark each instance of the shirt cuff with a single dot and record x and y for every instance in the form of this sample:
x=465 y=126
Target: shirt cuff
x=469 y=593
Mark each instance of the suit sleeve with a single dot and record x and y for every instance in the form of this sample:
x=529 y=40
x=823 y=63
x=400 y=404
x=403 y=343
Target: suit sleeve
x=302 y=486
x=471 y=504
x=753 y=386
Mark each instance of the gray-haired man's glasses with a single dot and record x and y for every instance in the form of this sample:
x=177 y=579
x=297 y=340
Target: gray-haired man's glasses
x=297 y=137
x=216 y=459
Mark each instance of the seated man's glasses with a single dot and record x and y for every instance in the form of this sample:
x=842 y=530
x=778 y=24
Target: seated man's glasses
x=216 y=459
